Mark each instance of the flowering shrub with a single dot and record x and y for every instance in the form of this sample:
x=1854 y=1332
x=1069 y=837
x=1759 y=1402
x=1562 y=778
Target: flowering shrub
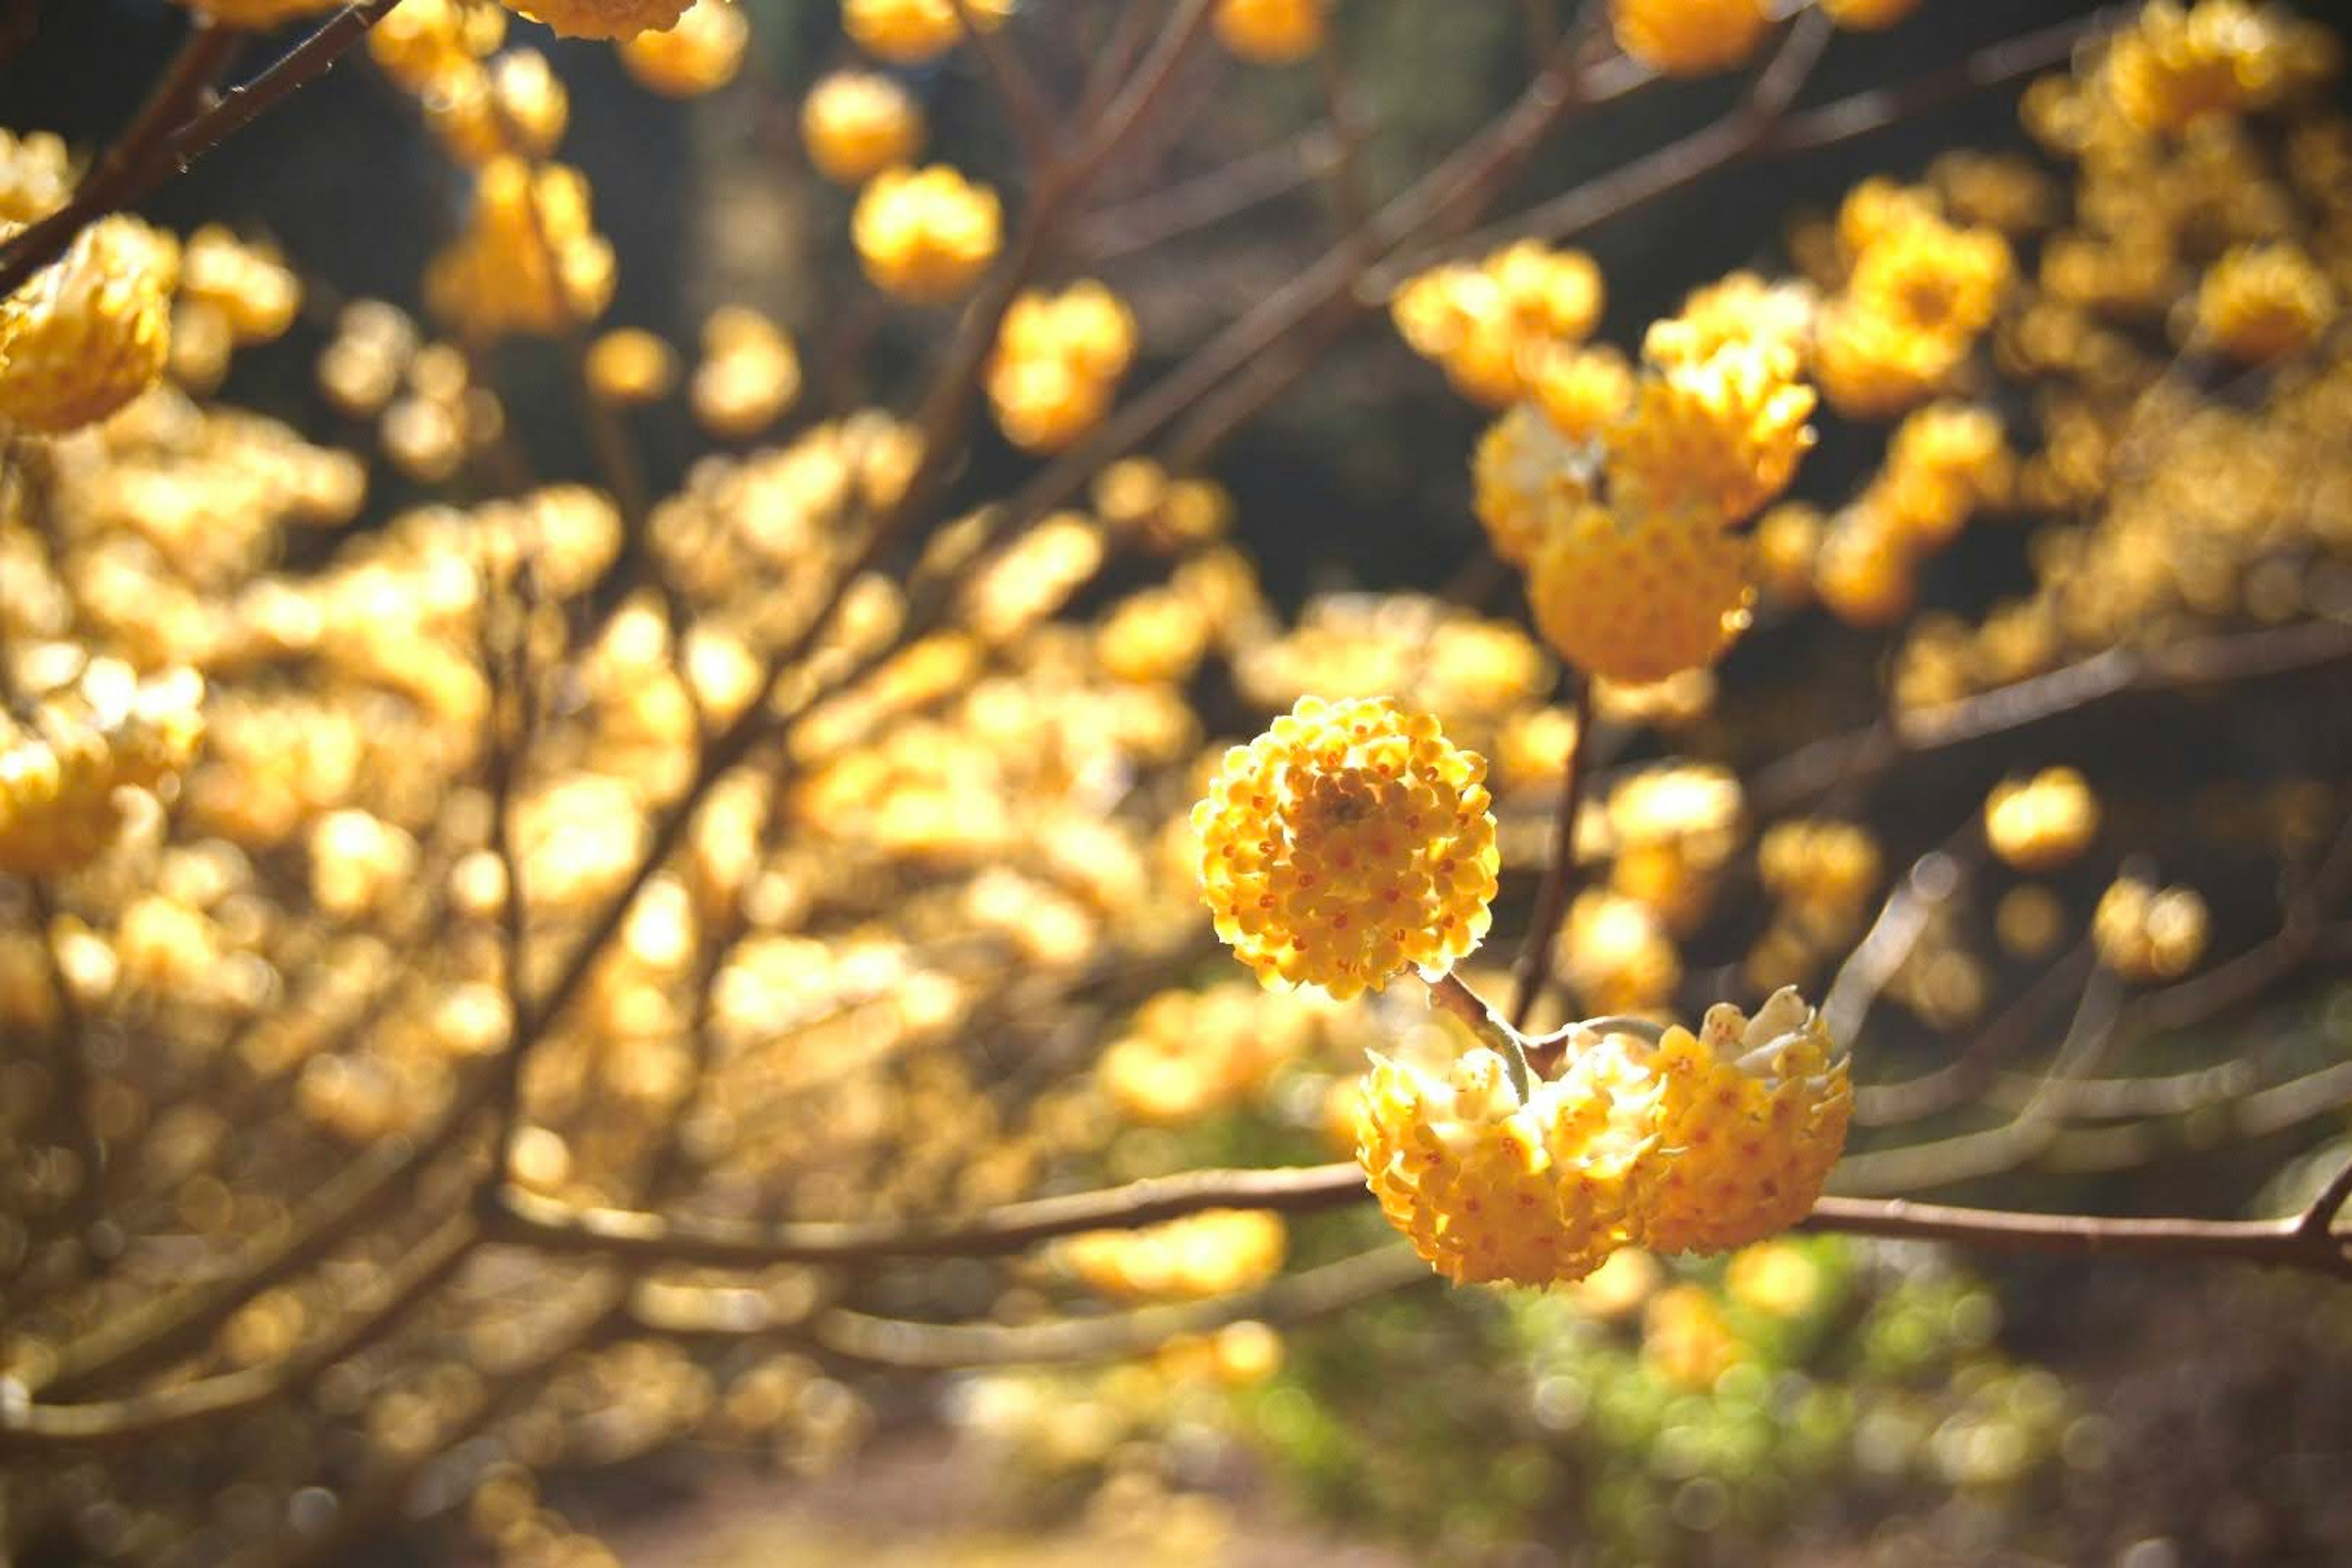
x=639 y=868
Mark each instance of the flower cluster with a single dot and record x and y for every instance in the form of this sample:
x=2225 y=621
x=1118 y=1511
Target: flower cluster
x=1270 y=32
x=2042 y=823
x=2174 y=67
x=1058 y=362
x=1701 y=1142
x=1690 y=37
x=925 y=235
x=1207 y=1254
x=2143 y=932
x=529 y=259
x=1349 y=842
x=602 y=19
x=909 y=32
x=101 y=731
x=858 y=123
x=1494 y=325
x=1919 y=291
x=92 y=331
x=701 y=53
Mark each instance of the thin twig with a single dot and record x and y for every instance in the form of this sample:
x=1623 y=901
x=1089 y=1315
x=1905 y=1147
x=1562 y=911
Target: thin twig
x=117 y=184
x=1532 y=972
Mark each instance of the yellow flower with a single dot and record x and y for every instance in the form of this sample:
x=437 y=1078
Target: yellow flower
x=2144 y=934
x=908 y=31
x=1490 y=1188
x=2044 y=823
x=1637 y=591
x=107 y=731
x=1270 y=32
x=1868 y=15
x=1723 y=433
x=1615 y=954
x=530 y=260
x=2265 y=302
x=925 y=235
x=1739 y=308
x=858 y=124
x=1527 y=479
x=630 y=365
x=36 y=175
x=1057 y=360
x=1929 y=277
x=701 y=53
x=1492 y=325
x=91 y=331
x=1347 y=843
x=1752 y=1116
x=602 y=19
x=1823 y=868
x=1864 y=572
x=2172 y=67
x=254 y=292
x=749 y=376
x=1690 y=37
x=1583 y=391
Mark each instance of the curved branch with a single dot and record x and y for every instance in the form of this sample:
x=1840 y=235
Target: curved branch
x=156 y=151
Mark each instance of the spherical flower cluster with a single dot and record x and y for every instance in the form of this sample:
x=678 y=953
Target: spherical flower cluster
x=1824 y=870
x=925 y=235
x=749 y=376
x=1492 y=325
x=1616 y=955
x=701 y=53
x=1919 y=293
x=1738 y=307
x=2263 y=302
x=418 y=40
x=1753 y=1115
x=909 y=32
x=1270 y=32
x=1636 y=591
x=59 y=772
x=515 y=104
x=1213 y=1253
x=858 y=123
x=602 y=19
x=1493 y=1187
x=1945 y=462
x=255 y=294
x=1524 y=475
x=1058 y=362
x=1721 y=434
x=1347 y=843
x=1668 y=832
x=1700 y=1143
x=2173 y=66
x=630 y=365
x=1584 y=392
x=2145 y=934
x=89 y=331
x=1867 y=15
x=2044 y=822
x=1690 y=37
x=36 y=175
x=529 y=260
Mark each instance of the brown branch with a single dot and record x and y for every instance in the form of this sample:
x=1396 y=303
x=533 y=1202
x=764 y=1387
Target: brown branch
x=1532 y=972
x=1208 y=199
x=527 y=1219
x=1991 y=66
x=28 y=1427
x=117 y=182
x=2279 y=1242
x=1297 y=1297
x=1025 y=104
x=2224 y=657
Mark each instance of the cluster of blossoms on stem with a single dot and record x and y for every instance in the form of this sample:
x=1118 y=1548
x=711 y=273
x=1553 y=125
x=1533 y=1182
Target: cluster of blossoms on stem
x=1349 y=843
x=925 y=235
x=64 y=767
x=1270 y=32
x=1058 y=362
x=1698 y=1142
